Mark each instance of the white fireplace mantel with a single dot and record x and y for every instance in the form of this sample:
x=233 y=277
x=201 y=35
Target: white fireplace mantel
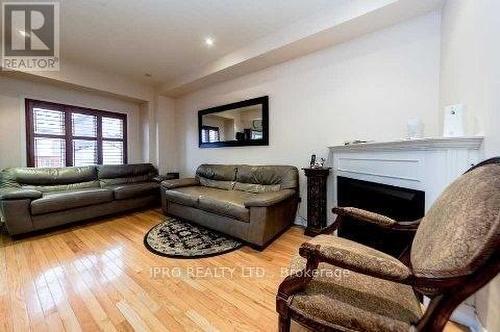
x=435 y=143
x=427 y=164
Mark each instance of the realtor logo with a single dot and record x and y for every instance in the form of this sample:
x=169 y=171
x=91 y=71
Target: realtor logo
x=30 y=40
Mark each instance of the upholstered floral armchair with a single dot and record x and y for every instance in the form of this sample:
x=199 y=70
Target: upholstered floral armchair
x=339 y=285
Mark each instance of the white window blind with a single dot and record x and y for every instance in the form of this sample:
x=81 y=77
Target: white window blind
x=84 y=152
x=48 y=121
x=50 y=152
x=112 y=152
x=112 y=128
x=84 y=125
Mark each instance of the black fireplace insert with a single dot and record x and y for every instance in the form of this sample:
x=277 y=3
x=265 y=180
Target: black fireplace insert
x=401 y=204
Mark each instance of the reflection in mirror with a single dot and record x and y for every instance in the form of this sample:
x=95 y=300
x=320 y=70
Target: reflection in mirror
x=242 y=123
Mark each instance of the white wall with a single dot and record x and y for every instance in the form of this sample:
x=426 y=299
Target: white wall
x=364 y=89
x=12 y=121
x=470 y=65
x=470 y=74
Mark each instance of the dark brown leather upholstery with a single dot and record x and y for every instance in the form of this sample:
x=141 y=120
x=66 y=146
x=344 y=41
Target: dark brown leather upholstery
x=253 y=203
x=37 y=198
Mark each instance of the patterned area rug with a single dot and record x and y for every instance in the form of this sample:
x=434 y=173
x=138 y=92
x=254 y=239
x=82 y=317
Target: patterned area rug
x=176 y=238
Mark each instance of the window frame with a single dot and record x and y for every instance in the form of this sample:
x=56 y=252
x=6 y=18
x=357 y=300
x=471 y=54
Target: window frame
x=68 y=110
x=208 y=129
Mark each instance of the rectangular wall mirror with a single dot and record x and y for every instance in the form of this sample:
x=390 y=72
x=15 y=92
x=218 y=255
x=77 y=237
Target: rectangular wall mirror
x=237 y=124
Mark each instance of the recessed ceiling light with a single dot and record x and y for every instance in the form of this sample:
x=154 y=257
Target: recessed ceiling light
x=209 y=41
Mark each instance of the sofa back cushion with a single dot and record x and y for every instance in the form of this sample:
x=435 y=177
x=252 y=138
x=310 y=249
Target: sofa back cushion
x=266 y=178
x=216 y=176
x=255 y=179
x=50 y=179
x=110 y=175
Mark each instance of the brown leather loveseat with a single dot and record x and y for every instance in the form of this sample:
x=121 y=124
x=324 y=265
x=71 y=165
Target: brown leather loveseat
x=38 y=198
x=252 y=203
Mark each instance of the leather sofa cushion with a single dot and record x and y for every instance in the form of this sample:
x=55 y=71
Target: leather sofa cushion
x=256 y=188
x=58 y=201
x=111 y=175
x=287 y=177
x=226 y=203
x=135 y=190
x=49 y=176
x=226 y=185
x=64 y=187
x=184 y=195
x=217 y=172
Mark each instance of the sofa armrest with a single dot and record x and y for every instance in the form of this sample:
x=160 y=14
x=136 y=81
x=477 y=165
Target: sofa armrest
x=270 y=198
x=356 y=257
x=178 y=183
x=11 y=193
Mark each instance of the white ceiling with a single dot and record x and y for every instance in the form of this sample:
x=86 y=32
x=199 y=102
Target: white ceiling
x=166 y=37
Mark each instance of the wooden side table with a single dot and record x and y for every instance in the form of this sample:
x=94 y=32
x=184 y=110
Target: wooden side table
x=316 y=199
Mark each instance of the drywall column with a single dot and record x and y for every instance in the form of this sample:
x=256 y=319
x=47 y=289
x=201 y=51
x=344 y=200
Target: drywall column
x=166 y=138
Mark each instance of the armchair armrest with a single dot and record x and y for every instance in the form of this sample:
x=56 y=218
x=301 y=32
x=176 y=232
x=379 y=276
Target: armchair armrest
x=270 y=198
x=178 y=183
x=375 y=218
x=13 y=193
x=353 y=256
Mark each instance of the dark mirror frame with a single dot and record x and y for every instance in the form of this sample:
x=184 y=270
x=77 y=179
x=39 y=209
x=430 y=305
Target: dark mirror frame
x=264 y=101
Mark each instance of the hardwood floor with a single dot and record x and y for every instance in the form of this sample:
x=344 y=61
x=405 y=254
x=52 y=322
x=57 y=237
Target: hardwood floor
x=99 y=276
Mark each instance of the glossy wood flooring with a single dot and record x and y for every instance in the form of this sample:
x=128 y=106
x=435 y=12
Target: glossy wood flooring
x=99 y=276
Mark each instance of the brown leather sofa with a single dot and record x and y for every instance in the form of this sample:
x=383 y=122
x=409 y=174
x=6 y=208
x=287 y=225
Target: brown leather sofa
x=252 y=203
x=37 y=198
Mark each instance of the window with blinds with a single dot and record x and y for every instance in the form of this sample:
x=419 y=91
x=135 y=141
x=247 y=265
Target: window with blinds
x=63 y=135
x=209 y=134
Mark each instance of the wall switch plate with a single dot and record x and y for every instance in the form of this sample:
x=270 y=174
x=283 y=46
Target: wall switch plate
x=453 y=120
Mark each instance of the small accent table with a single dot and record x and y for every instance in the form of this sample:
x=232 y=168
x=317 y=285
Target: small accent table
x=316 y=199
